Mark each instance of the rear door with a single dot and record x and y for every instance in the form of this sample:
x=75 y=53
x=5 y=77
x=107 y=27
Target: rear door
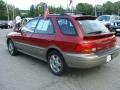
x=67 y=36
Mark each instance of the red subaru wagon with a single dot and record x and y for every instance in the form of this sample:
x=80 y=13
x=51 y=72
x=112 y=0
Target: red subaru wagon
x=65 y=41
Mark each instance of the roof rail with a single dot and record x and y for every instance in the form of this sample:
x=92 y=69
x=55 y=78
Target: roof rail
x=69 y=13
x=62 y=14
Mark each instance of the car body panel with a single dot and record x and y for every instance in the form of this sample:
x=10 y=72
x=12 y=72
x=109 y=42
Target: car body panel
x=38 y=45
x=90 y=60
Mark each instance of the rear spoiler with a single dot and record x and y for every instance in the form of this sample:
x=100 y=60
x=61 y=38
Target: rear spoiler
x=84 y=17
x=96 y=36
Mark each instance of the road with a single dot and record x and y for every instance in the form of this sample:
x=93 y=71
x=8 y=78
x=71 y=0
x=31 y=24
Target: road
x=23 y=72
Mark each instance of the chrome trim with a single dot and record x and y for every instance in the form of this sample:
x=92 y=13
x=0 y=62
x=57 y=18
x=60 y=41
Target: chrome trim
x=55 y=63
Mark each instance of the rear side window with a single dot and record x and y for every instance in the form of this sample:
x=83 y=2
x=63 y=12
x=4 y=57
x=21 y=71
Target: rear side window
x=92 y=27
x=66 y=26
x=45 y=27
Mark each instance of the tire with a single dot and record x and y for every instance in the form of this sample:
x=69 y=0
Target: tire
x=56 y=63
x=11 y=48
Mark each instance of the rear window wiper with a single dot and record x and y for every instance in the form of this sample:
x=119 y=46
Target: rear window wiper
x=96 y=32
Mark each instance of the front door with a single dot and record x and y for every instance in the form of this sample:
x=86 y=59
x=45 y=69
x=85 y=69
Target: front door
x=23 y=39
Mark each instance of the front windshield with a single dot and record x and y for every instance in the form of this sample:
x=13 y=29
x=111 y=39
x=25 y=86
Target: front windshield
x=92 y=26
x=104 y=18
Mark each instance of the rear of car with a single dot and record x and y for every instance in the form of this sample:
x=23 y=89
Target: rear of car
x=66 y=41
x=115 y=26
x=96 y=47
x=3 y=24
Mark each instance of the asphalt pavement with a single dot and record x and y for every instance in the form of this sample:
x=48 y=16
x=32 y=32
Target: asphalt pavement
x=23 y=72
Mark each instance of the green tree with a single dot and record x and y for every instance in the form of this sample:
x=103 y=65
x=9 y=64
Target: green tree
x=108 y=8
x=52 y=9
x=117 y=7
x=39 y=10
x=99 y=10
x=32 y=11
x=85 y=8
x=60 y=9
x=3 y=11
x=11 y=10
x=17 y=12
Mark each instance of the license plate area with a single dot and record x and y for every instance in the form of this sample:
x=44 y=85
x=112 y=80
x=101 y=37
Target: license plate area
x=109 y=58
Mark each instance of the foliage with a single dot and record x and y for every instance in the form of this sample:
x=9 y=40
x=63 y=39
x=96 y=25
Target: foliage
x=3 y=12
x=85 y=7
x=36 y=10
x=12 y=11
x=108 y=7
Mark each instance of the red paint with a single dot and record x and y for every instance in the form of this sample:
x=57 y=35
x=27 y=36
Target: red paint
x=75 y=44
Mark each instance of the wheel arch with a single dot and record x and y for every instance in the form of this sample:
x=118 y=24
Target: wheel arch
x=65 y=66
x=8 y=39
x=53 y=49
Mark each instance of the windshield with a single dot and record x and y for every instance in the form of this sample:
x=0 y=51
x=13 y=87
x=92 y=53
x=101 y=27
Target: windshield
x=92 y=27
x=104 y=18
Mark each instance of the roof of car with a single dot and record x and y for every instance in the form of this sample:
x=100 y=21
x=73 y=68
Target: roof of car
x=75 y=16
x=84 y=17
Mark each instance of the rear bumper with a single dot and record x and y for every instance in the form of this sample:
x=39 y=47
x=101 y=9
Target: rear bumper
x=90 y=60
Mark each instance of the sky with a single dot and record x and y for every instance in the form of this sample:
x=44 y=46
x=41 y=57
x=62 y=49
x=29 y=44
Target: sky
x=25 y=4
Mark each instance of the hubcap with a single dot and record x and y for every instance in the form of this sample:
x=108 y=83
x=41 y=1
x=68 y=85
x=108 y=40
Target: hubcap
x=55 y=63
x=11 y=48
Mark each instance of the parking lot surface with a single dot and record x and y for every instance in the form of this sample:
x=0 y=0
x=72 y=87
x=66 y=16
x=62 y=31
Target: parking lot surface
x=23 y=72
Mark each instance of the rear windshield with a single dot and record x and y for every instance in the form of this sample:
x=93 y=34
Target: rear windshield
x=104 y=18
x=92 y=27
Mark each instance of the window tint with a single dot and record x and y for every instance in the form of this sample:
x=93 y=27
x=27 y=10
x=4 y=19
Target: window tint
x=92 y=27
x=66 y=27
x=45 y=26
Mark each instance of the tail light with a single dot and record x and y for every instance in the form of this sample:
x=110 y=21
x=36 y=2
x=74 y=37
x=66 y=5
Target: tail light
x=85 y=48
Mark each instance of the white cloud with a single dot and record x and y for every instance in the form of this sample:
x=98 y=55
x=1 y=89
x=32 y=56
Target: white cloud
x=25 y=4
